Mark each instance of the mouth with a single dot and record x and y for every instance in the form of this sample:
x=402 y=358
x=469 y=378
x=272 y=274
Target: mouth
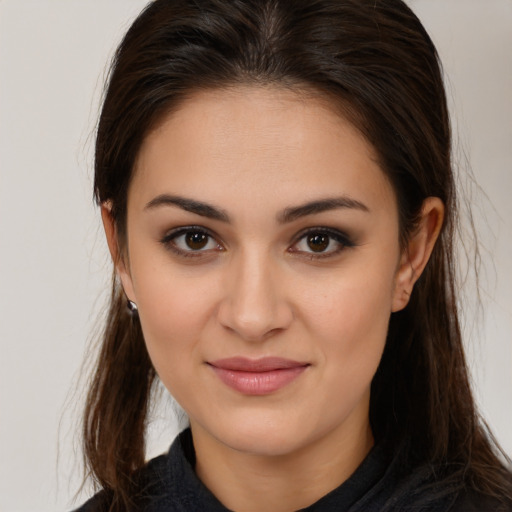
x=257 y=376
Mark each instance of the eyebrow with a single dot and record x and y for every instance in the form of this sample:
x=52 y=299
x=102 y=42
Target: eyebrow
x=287 y=215
x=319 y=206
x=190 y=205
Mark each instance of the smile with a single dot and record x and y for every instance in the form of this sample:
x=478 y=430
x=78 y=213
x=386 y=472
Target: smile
x=257 y=377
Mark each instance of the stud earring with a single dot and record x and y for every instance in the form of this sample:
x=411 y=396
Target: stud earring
x=132 y=307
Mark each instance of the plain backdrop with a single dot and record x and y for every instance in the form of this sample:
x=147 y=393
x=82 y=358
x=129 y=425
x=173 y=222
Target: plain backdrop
x=54 y=269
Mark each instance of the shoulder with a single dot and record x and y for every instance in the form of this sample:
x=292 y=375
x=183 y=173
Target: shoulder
x=422 y=489
x=472 y=501
x=98 y=503
x=166 y=483
x=151 y=484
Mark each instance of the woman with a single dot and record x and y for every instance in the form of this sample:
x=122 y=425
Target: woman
x=276 y=189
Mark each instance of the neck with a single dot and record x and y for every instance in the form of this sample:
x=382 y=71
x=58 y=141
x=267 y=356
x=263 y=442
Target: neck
x=248 y=482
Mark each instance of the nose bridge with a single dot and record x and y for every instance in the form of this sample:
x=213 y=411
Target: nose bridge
x=254 y=303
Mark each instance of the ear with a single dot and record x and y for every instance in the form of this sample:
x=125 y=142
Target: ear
x=118 y=258
x=418 y=250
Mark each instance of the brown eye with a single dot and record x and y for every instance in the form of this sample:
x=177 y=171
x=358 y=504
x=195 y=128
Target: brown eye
x=196 y=240
x=318 y=242
x=321 y=243
x=191 y=241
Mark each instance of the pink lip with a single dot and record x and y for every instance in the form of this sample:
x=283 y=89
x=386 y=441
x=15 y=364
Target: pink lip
x=257 y=376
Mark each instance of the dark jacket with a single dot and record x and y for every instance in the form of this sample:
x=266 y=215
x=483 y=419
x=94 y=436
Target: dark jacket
x=169 y=484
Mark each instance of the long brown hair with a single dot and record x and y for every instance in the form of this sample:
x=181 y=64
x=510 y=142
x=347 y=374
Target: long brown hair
x=377 y=65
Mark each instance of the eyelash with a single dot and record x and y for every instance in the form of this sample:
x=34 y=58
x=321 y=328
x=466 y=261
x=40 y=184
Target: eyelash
x=169 y=241
x=338 y=237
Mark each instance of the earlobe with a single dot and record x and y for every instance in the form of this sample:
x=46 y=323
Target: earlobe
x=118 y=259
x=418 y=250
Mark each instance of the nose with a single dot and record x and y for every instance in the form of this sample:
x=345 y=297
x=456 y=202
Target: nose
x=254 y=303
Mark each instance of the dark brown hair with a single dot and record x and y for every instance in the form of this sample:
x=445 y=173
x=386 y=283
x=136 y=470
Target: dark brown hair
x=373 y=60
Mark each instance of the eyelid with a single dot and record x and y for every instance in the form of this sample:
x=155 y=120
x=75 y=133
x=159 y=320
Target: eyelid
x=343 y=240
x=338 y=236
x=167 y=241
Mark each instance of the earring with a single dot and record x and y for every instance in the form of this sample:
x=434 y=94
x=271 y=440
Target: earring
x=132 y=307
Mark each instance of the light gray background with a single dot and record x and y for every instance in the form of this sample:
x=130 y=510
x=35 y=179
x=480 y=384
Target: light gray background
x=53 y=262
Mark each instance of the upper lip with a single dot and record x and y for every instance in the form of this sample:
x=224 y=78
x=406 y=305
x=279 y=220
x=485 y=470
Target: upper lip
x=264 y=364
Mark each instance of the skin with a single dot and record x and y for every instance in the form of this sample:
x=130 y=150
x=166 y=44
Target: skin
x=258 y=289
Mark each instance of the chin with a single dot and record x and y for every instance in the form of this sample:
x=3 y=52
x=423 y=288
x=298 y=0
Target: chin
x=264 y=442
x=253 y=433
x=266 y=435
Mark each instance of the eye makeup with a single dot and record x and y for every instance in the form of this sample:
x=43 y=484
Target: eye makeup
x=191 y=242
x=321 y=242
x=316 y=242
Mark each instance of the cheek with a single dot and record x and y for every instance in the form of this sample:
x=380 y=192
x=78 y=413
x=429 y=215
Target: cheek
x=173 y=316
x=174 y=309
x=175 y=312
x=352 y=317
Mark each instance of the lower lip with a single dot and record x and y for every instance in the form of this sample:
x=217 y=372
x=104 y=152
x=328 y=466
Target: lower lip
x=258 y=383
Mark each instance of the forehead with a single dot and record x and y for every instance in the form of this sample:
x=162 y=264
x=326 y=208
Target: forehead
x=251 y=143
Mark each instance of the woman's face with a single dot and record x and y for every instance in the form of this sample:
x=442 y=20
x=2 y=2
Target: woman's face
x=262 y=252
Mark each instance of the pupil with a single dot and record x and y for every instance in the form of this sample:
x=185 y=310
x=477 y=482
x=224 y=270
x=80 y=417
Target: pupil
x=318 y=242
x=196 y=241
